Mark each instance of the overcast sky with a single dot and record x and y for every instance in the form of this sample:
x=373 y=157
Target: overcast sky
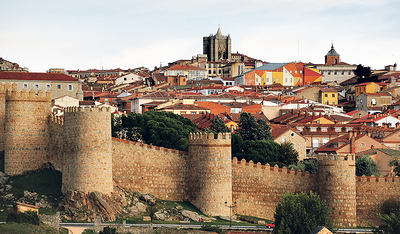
x=82 y=34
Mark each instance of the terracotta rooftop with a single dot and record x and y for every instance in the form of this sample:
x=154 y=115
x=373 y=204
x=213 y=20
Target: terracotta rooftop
x=36 y=76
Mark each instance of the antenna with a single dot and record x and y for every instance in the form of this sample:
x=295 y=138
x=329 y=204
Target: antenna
x=298 y=48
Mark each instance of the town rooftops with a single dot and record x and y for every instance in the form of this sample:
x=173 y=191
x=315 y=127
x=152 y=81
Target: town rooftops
x=36 y=76
x=184 y=67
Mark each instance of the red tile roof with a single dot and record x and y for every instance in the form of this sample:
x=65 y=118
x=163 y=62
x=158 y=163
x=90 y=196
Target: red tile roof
x=36 y=76
x=184 y=67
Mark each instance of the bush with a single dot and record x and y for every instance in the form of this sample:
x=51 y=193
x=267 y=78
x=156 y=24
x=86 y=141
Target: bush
x=108 y=230
x=27 y=217
x=391 y=206
x=300 y=214
x=210 y=228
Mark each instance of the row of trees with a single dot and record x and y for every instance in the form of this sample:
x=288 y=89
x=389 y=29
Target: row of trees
x=253 y=141
x=156 y=128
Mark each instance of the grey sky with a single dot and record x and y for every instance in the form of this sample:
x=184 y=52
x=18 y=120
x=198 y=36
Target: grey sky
x=127 y=34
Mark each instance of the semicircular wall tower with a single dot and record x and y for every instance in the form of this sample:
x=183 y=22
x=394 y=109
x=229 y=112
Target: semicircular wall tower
x=337 y=186
x=26 y=130
x=210 y=179
x=87 y=150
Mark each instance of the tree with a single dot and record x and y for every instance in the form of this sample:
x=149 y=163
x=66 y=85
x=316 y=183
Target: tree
x=287 y=154
x=218 y=125
x=300 y=213
x=390 y=224
x=362 y=72
x=395 y=163
x=252 y=129
x=366 y=166
x=261 y=151
x=310 y=165
x=157 y=128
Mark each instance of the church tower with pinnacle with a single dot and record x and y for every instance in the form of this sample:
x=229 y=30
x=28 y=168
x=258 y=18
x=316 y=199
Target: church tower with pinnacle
x=217 y=47
x=332 y=57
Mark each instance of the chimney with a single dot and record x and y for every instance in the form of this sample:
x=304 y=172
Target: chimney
x=353 y=143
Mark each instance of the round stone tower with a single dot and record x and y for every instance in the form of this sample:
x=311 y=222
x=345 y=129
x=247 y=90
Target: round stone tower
x=26 y=130
x=2 y=115
x=87 y=150
x=210 y=180
x=337 y=186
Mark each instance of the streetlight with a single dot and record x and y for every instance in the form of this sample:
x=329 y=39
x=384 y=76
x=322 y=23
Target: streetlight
x=151 y=204
x=230 y=212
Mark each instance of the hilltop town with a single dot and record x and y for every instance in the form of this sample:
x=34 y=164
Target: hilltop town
x=334 y=112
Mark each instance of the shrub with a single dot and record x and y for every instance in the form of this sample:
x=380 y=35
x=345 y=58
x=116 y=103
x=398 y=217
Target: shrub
x=391 y=205
x=27 y=217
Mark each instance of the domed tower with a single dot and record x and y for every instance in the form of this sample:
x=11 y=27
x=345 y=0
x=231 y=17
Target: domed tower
x=332 y=57
x=210 y=179
x=87 y=150
x=337 y=186
x=26 y=130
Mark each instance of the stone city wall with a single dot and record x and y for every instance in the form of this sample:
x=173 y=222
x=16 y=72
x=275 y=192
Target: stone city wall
x=150 y=169
x=257 y=188
x=26 y=130
x=210 y=168
x=371 y=193
x=337 y=186
x=87 y=161
x=56 y=128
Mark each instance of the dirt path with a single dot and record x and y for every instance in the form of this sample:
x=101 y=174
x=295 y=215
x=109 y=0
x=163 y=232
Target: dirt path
x=75 y=230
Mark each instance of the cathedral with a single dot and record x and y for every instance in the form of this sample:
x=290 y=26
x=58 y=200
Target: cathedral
x=217 y=47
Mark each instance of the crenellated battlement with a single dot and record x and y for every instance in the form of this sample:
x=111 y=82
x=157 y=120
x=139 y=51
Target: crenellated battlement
x=12 y=94
x=150 y=147
x=57 y=119
x=252 y=167
x=381 y=179
x=75 y=109
x=336 y=157
x=209 y=136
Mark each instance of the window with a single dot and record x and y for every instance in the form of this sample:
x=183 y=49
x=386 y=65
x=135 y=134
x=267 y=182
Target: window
x=58 y=86
x=25 y=86
x=349 y=129
x=333 y=95
x=313 y=129
x=69 y=87
x=301 y=80
x=36 y=86
x=292 y=134
x=48 y=86
x=209 y=65
x=324 y=129
x=285 y=79
x=338 y=129
x=278 y=79
x=267 y=79
x=326 y=95
x=106 y=100
x=283 y=140
x=209 y=71
x=329 y=73
x=335 y=73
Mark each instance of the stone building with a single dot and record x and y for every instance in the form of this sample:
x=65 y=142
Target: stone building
x=217 y=47
x=57 y=83
x=335 y=70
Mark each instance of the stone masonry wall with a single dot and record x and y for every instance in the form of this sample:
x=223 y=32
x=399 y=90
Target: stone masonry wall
x=371 y=193
x=150 y=169
x=2 y=115
x=56 y=126
x=337 y=185
x=87 y=160
x=257 y=189
x=26 y=130
x=210 y=183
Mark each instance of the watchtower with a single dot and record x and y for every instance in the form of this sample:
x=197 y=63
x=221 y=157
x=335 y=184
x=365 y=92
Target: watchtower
x=337 y=186
x=87 y=150
x=26 y=130
x=210 y=178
